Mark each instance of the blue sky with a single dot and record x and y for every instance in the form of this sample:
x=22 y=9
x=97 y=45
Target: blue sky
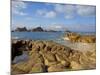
x=53 y=16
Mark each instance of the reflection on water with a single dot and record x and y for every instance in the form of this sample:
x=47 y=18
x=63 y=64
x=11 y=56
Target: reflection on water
x=23 y=57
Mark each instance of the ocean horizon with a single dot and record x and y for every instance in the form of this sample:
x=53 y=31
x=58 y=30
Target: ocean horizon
x=43 y=35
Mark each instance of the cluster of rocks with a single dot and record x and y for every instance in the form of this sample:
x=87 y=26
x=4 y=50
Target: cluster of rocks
x=48 y=56
x=74 y=37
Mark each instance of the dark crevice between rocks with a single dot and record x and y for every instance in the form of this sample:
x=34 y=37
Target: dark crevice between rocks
x=46 y=68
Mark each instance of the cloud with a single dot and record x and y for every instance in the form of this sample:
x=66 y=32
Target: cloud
x=57 y=27
x=71 y=10
x=67 y=10
x=84 y=10
x=50 y=14
x=58 y=9
x=46 y=14
x=86 y=28
x=17 y=7
x=41 y=12
x=19 y=13
x=69 y=16
x=61 y=8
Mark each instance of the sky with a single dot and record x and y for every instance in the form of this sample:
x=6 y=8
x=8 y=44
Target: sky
x=53 y=16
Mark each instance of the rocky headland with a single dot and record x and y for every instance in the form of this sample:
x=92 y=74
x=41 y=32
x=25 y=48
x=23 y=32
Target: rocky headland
x=48 y=56
x=37 y=29
x=75 y=37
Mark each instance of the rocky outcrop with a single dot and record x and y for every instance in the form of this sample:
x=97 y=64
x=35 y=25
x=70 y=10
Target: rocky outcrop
x=37 y=29
x=74 y=37
x=21 y=29
x=48 y=56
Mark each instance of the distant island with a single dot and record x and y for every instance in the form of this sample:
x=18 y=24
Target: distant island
x=37 y=29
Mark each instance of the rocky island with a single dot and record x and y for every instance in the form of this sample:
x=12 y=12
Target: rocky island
x=37 y=29
x=48 y=56
x=75 y=37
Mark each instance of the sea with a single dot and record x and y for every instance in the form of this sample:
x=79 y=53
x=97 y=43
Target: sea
x=55 y=36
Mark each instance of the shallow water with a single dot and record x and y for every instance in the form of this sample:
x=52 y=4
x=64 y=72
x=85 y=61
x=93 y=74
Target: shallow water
x=23 y=57
x=55 y=36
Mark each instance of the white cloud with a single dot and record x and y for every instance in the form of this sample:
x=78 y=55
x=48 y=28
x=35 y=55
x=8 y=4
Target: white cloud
x=41 y=12
x=50 y=14
x=84 y=10
x=71 y=10
x=67 y=10
x=86 y=28
x=46 y=14
x=59 y=8
x=17 y=7
x=19 y=13
x=69 y=16
x=57 y=27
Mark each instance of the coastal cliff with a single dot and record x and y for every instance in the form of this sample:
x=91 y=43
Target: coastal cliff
x=48 y=56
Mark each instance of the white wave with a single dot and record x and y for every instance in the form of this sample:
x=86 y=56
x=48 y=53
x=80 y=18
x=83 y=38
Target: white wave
x=66 y=38
x=15 y=37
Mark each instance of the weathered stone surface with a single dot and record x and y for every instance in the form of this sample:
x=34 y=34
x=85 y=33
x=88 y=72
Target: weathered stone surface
x=48 y=56
x=76 y=65
x=37 y=68
x=57 y=68
x=21 y=68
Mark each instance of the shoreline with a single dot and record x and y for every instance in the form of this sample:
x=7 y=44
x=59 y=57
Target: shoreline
x=81 y=46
